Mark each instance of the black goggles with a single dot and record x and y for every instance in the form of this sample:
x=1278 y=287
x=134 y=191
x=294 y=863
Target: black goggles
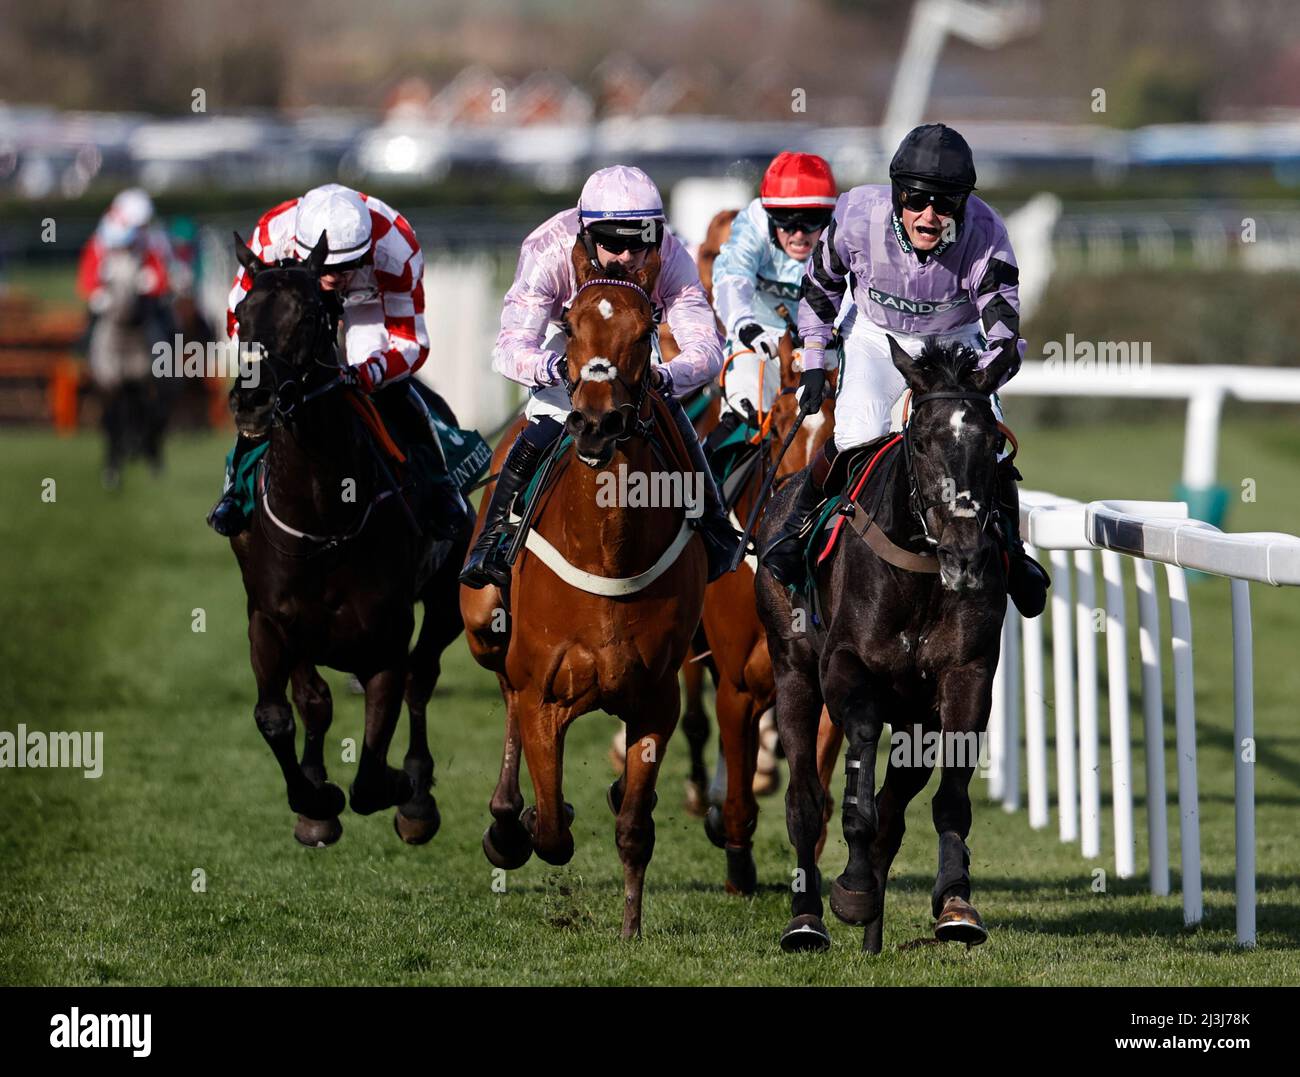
x=945 y=203
x=620 y=238
x=805 y=221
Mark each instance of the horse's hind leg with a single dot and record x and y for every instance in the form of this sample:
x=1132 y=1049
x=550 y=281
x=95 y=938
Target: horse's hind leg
x=377 y=785
x=506 y=843
x=695 y=727
x=311 y=695
x=274 y=717
x=830 y=738
x=964 y=701
x=417 y=820
x=738 y=725
x=648 y=732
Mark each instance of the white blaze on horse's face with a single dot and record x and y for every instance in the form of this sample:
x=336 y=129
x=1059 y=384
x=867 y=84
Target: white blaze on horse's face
x=606 y=309
x=957 y=421
x=598 y=368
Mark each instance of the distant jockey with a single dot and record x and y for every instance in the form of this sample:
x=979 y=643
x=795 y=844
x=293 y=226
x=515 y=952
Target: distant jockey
x=926 y=258
x=760 y=268
x=375 y=270
x=619 y=219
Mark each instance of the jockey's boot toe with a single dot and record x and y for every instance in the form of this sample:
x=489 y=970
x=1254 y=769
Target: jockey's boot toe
x=1027 y=583
x=226 y=517
x=486 y=563
x=721 y=541
x=784 y=558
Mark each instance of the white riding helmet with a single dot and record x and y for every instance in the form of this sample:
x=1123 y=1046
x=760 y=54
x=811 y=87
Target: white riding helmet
x=129 y=212
x=338 y=212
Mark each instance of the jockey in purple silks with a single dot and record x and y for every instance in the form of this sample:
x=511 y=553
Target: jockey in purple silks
x=925 y=258
x=619 y=220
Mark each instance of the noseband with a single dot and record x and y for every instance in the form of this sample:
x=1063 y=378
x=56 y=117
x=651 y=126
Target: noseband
x=920 y=505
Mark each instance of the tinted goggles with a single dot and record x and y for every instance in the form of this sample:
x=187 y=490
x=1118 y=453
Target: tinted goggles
x=626 y=237
x=805 y=221
x=945 y=203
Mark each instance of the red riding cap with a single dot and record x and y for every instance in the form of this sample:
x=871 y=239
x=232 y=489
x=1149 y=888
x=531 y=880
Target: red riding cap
x=798 y=181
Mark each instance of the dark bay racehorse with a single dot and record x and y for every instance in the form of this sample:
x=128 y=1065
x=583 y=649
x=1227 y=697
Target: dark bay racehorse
x=567 y=648
x=913 y=647
x=333 y=563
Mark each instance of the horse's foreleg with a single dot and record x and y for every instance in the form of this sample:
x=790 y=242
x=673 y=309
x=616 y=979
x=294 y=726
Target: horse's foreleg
x=542 y=727
x=965 y=697
x=859 y=706
x=377 y=785
x=903 y=781
x=274 y=717
x=311 y=695
x=648 y=731
x=506 y=843
x=738 y=726
x=799 y=702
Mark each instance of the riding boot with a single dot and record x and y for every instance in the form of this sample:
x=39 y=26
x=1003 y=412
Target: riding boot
x=721 y=540
x=227 y=517
x=487 y=558
x=449 y=514
x=1027 y=580
x=784 y=556
x=727 y=425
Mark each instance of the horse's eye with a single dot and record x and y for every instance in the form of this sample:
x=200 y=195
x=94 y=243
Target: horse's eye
x=918 y=445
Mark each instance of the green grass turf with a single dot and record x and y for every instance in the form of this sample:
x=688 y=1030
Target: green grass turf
x=97 y=594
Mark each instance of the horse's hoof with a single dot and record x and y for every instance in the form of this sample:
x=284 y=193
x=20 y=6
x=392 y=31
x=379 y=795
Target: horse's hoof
x=317 y=833
x=714 y=828
x=855 y=907
x=742 y=876
x=805 y=933
x=506 y=856
x=416 y=831
x=959 y=922
x=697 y=798
x=322 y=803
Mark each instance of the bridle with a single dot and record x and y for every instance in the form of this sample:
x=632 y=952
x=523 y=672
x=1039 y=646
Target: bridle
x=917 y=502
x=324 y=328
x=634 y=424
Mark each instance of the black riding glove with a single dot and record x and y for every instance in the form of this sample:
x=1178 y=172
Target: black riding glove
x=812 y=390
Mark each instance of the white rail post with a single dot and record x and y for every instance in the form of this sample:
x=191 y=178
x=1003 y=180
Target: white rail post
x=1243 y=730
x=993 y=732
x=1011 y=712
x=1121 y=763
x=1089 y=737
x=1067 y=776
x=1153 y=725
x=1180 y=617
x=1035 y=718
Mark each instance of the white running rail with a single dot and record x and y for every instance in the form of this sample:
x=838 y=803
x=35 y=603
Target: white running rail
x=1146 y=532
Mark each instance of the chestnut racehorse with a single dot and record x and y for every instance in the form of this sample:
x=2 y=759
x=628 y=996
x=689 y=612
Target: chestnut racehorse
x=561 y=649
x=745 y=685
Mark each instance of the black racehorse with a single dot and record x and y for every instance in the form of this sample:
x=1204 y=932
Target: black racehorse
x=907 y=637
x=333 y=563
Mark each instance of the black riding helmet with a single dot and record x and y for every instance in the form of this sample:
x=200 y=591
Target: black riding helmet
x=932 y=157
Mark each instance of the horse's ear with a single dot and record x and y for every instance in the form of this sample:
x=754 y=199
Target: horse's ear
x=986 y=379
x=316 y=260
x=250 y=261
x=648 y=274
x=584 y=266
x=904 y=363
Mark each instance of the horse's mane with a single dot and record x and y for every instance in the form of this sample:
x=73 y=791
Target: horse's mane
x=948 y=364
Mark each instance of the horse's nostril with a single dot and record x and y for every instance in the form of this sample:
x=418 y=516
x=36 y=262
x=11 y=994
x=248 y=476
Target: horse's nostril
x=573 y=423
